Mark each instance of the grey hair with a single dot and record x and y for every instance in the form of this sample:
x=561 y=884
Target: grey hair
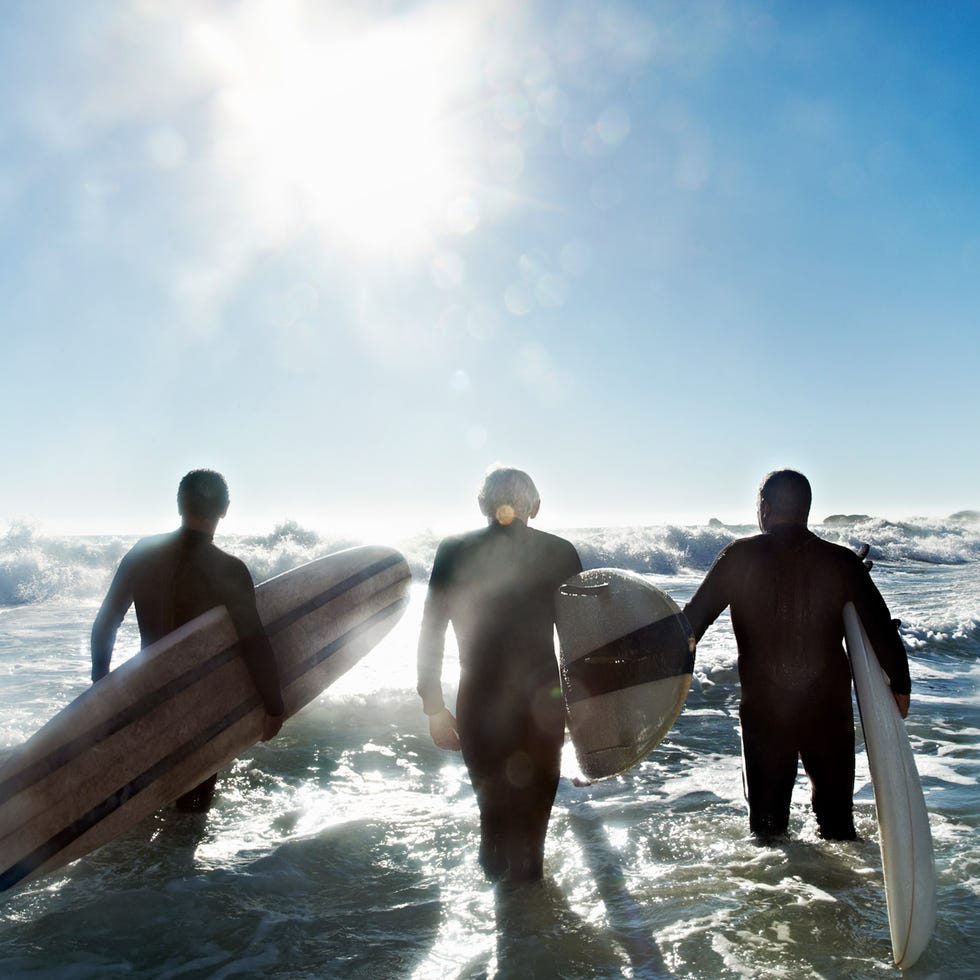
x=508 y=493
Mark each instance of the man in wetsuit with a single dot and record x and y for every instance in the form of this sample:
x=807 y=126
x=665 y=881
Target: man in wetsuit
x=787 y=589
x=173 y=578
x=497 y=587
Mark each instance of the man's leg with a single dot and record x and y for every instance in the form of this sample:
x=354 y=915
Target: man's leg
x=532 y=796
x=534 y=770
x=486 y=760
x=770 y=758
x=828 y=758
x=491 y=797
x=199 y=799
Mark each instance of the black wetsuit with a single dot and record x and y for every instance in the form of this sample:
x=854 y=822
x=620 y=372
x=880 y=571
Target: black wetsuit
x=173 y=578
x=787 y=589
x=497 y=586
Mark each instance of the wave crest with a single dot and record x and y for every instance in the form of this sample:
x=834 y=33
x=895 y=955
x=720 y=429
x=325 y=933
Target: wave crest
x=35 y=567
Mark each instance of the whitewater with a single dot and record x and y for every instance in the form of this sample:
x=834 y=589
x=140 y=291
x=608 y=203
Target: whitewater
x=346 y=847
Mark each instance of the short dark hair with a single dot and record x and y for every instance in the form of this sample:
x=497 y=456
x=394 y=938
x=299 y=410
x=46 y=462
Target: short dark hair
x=788 y=494
x=203 y=493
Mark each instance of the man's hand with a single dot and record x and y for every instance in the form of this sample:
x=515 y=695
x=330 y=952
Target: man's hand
x=271 y=725
x=442 y=728
x=903 y=701
x=863 y=555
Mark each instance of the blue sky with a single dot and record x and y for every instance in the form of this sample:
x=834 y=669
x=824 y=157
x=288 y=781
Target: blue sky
x=350 y=254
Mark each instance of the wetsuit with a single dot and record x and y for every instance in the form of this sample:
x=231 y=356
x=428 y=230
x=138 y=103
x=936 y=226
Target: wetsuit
x=173 y=578
x=497 y=586
x=787 y=589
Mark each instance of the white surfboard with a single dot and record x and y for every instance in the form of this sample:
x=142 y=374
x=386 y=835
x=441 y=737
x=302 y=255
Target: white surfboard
x=627 y=655
x=903 y=823
x=183 y=708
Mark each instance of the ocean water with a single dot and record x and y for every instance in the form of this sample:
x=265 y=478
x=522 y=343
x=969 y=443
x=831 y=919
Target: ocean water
x=346 y=847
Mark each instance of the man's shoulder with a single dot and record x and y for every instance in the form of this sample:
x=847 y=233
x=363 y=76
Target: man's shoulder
x=230 y=563
x=150 y=546
x=811 y=546
x=836 y=552
x=452 y=551
x=742 y=552
x=558 y=553
x=746 y=546
x=454 y=542
x=550 y=540
x=483 y=537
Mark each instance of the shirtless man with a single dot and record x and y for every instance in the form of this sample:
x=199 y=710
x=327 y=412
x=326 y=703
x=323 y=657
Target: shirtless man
x=173 y=578
x=787 y=588
x=497 y=587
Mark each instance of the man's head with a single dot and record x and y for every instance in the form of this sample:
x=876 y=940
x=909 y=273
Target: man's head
x=202 y=495
x=507 y=494
x=784 y=498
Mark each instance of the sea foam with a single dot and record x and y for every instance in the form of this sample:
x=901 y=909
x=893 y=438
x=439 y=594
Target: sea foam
x=35 y=567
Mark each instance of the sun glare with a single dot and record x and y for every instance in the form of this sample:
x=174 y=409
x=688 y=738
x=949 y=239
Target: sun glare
x=351 y=127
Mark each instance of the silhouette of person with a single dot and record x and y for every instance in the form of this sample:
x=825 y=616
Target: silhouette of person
x=497 y=587
x=787 y=588
x=173 y=578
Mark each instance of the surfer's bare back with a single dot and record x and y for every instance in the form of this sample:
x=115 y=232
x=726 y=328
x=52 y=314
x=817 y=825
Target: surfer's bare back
x=173 y=578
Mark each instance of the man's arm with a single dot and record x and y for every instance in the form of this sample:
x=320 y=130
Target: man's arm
x=712 y=596
x=432 y=643
x=885 y=639
x=260 y=660
x=256 y=650
x=572 y=561
x=902 y=701
x=109 y=618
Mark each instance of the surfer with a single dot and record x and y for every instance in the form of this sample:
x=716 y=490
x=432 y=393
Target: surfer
x=173 y=578
x=497 y=587
x=787 y=589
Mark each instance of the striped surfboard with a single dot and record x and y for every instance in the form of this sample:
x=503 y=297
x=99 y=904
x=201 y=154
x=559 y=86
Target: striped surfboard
x=627 y=656
x=185 y=707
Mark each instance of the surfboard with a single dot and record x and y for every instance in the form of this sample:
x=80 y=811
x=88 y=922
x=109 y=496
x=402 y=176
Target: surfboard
x=626 y=657
x=903 y=823
x=185 y=707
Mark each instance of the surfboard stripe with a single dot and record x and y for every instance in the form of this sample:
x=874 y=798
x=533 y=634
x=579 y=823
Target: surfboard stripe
x=30 y=862
x=70 y=750
x=67 y=751
x=651 y=653
x=73 y=831
x=334 y=592
x=394 y=608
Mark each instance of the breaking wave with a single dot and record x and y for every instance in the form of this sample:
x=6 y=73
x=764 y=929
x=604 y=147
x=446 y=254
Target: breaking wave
x=35 y=567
